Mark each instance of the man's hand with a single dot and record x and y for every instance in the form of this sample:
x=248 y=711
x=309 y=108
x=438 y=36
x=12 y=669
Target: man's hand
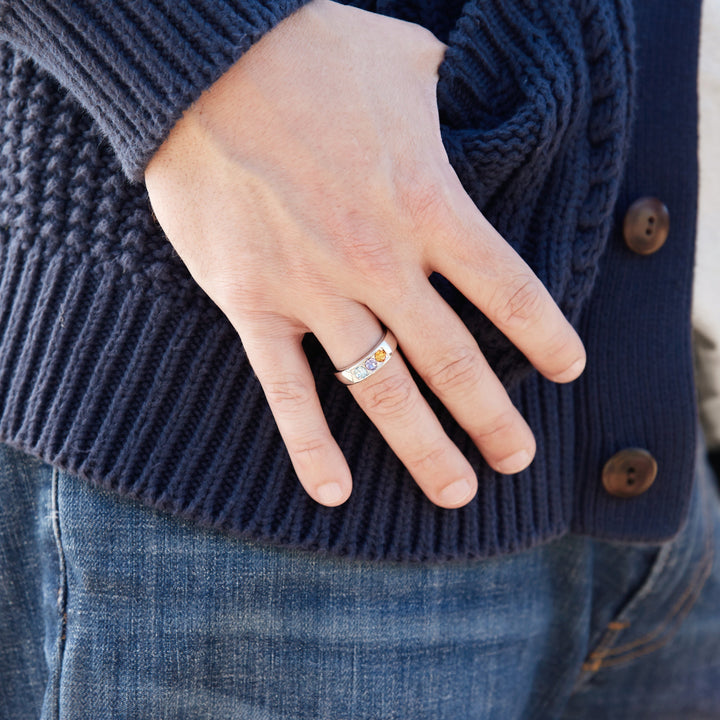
x=308 y=190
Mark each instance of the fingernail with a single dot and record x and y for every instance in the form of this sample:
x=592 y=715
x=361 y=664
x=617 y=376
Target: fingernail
x=515 y=463
x=573 y=372
x=330 y=493
x=456 y=493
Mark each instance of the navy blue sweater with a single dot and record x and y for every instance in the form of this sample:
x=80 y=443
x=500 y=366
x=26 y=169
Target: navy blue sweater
x=114 y=365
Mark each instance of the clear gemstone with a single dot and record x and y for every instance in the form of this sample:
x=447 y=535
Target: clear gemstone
x=360 y=373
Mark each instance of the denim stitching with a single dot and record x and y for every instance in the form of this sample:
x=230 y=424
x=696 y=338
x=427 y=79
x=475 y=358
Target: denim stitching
x=61 y=594
x=615 y=627
x=606 y=656
x=665 y=631
x=663 y=640
x=690 y=593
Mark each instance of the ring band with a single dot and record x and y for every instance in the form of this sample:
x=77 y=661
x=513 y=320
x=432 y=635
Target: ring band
x=370 y=362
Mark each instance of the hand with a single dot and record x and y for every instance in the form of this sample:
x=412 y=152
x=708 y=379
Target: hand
x=308 y=190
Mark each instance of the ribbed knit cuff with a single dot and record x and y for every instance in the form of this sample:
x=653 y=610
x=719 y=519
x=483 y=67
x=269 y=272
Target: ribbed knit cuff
x=136 y=65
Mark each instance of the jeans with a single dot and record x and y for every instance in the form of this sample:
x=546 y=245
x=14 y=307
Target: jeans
x=111 y=610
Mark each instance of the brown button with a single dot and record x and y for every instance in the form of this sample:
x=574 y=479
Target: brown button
x=646 y=226
x=629 y=473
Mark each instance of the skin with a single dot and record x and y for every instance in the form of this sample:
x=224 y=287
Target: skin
x=308 y=190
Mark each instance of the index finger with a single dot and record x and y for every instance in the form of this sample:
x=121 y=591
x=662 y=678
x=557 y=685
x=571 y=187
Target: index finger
x=487 y=271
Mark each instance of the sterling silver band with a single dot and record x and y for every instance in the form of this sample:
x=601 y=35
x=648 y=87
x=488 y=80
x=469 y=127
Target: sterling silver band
x=370 y=362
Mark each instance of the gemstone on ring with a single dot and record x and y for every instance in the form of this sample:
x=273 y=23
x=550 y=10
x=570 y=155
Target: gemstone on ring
x=371 y=362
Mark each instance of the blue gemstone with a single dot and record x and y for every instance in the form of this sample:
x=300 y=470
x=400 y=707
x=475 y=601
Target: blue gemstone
x=360 y=373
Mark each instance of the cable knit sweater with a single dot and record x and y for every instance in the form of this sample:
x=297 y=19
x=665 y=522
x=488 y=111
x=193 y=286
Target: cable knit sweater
x=115 y=366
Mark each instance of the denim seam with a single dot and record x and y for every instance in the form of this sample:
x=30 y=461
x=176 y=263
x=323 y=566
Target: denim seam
x=665 y=631
x=61 y=594
x=606 y=656
x=616 y=626
x=680 y=608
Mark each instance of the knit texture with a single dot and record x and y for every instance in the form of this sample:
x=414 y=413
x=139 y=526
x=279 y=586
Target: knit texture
x=115 y=366
x=136 y=65
x=536 y=101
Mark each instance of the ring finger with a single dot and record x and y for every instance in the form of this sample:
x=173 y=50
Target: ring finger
x=393 y=402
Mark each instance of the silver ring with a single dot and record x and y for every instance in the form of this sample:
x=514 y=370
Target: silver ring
x=370 y=362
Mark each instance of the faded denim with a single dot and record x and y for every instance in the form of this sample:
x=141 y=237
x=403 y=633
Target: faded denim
x=111 y=610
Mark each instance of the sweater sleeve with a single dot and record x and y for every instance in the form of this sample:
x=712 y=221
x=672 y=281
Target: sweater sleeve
x=136 y=65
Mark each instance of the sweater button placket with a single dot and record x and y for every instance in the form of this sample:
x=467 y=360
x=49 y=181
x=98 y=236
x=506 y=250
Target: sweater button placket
x=631 y=472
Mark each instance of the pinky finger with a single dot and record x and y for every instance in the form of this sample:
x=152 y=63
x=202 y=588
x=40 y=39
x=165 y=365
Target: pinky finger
x=289 y=386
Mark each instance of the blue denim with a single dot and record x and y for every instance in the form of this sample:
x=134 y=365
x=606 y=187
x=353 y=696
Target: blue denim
x=111 y=610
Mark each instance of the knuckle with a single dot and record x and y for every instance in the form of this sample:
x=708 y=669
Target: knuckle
x=309 y=450
x=462 y=370
x=519 y=303
x=497 y=427
x=428 y=461
x=562 y=345
x=232 y=295
x=391 y=397
x=423 y=200
x=367 y=253
x=288 y=394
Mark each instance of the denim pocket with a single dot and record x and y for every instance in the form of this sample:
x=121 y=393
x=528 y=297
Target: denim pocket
x=655 y=612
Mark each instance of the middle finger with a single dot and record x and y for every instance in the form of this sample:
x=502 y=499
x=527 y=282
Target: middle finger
x=437 y=344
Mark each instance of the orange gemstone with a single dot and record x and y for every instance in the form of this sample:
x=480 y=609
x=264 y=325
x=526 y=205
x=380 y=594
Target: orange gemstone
x=380 y=355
